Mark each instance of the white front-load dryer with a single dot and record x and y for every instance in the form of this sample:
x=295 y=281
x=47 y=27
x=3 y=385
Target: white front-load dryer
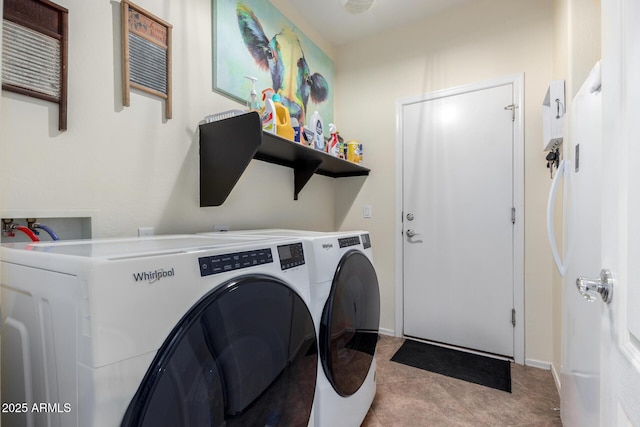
x=345 y=304
x=159 y=331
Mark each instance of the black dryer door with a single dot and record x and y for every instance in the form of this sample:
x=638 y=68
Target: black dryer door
x=244 y=355
x=350 y=321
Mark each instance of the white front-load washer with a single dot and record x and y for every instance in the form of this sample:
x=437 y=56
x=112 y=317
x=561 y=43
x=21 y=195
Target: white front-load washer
x=159 y=331
x=345 y=304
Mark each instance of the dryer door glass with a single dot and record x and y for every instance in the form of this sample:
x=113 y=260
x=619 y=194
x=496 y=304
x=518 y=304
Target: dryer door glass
x=350 y=320
x=244 y=355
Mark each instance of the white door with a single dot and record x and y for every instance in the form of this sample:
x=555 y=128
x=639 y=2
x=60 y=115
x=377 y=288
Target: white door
x=580 y=370
x=620 y=320
x=601 y=341
x=458 y=195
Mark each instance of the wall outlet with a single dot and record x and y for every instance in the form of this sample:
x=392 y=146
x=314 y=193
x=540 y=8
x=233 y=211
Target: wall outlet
x=145 y=231
x=366 y=211
x=221 y=228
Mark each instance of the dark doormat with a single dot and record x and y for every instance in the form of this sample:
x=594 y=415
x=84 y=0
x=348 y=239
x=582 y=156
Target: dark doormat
x=470 y=367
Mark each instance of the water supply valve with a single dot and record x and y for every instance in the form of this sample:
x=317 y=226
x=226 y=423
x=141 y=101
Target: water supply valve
x=7 y=227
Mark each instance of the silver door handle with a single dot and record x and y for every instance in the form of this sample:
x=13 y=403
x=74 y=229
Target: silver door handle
x=590 y=288
x=410 y=233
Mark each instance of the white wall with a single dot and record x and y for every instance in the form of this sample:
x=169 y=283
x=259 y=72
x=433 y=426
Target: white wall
x=480 y=41
x=126 y=165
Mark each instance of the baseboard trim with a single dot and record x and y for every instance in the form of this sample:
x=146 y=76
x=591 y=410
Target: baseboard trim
x=538 y=364
x=390 y=332
x=556 y=378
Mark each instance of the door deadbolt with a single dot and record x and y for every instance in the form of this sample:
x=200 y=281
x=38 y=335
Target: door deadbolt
x=410 y=217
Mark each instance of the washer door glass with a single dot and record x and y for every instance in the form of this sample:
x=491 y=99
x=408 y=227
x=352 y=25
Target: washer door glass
x=350 y=321
x=244 y=355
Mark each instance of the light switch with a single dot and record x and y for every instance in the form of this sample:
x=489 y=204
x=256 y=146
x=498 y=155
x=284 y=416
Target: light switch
x=366 y=211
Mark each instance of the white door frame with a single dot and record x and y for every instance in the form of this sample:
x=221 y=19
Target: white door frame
x=518 y=186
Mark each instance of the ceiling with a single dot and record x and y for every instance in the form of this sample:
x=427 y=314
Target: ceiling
x=339 y=27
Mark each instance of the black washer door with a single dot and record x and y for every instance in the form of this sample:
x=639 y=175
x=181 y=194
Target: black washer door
x=350 y=321
x=244 y=355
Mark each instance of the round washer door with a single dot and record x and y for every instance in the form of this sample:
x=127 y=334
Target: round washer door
x=350 y=321
x=245 y=354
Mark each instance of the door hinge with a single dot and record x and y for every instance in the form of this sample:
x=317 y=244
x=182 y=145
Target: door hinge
x=513 y=317
x=513 y=215
x=512 y=107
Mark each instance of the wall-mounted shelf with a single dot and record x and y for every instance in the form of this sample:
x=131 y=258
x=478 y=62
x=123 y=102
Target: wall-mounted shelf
x=227 y=146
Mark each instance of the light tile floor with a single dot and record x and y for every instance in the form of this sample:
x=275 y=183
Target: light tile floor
x=413 y=397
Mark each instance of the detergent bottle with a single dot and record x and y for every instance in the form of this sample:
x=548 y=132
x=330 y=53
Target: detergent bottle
x=296 y=129
x=317 y=130
x=332 y=145
x=268 y=113
x=267 y=93
x=342 y=147
x=282 y=119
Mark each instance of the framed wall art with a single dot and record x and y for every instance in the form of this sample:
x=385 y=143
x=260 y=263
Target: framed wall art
x=146 y=51
x=252 y=38
x=34 y=51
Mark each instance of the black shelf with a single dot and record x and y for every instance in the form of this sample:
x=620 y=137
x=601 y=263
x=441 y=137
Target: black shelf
x=227 y=146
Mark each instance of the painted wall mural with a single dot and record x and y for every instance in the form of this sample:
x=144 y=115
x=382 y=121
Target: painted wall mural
x=252 y=38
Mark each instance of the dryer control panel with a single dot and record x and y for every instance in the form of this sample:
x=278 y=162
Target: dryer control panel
x=345 y=242
x=291 y=255
x=234 y=261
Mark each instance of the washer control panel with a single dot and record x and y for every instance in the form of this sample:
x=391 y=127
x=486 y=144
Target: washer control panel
x=345 y=242
x=366 y=241
x=291 y=255
x=216 y=264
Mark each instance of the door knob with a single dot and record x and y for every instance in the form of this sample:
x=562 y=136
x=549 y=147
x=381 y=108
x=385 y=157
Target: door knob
x=590 y=288
x=411 y=233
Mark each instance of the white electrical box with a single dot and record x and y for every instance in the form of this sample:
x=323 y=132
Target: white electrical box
x=553 y=110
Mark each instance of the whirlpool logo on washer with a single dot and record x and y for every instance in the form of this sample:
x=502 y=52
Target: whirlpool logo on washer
x=153 y=276
x=327 y=246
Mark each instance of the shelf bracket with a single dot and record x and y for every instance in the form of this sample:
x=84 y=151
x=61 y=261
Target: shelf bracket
x=226 y=148
x=302 y=173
